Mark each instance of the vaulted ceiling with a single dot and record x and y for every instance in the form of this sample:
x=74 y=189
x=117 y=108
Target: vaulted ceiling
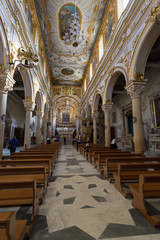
x=66 y=62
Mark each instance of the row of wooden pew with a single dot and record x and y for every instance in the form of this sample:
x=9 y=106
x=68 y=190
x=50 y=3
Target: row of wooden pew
x=24 y=178
x=133 y=174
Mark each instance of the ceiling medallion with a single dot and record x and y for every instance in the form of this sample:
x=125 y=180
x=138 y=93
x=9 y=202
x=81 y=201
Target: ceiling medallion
x=67 y=71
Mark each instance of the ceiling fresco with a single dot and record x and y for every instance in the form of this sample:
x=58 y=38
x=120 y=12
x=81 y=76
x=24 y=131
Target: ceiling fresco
x=67 y=62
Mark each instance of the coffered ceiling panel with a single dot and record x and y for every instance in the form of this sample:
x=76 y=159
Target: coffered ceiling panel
x=67 y=61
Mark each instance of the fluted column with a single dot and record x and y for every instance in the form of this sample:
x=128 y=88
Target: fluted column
x=135 y=89
x=88 y=123
x=106 y=108
x=6 y=84
x=94 y=116
x=45 y=119
x=39 y=117
x=29 y=106
x=49 y=125
x=77 y=126
x=54 y=124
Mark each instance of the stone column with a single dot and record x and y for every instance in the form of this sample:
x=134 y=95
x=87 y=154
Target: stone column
x=80 y=126
x=6 y=84
x=54 y=124
x=94 y=116
x=106 y=108
x=29 y=106
x=49 y=125
x=77 y=126
x=88 y=123
x=45 y=119
x=124 y=123
x=135 y=89
x=39 y=117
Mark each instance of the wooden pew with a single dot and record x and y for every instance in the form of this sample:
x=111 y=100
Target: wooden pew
x=95 y=154
x=111 y=164
x=29 y=162
x=37 y=172
x=95 y=149
x=10 y=228
x=147 y=187
x=33 y=158
x=18 y=191
x=102 y=158
x=103 y=154
x=128 y=172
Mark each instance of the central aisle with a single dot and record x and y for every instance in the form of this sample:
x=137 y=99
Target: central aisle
x=81 y=205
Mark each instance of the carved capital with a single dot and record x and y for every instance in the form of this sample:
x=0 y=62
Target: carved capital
x=6 y=83
x=29 y=105
x=136 y=88
x=107 y=107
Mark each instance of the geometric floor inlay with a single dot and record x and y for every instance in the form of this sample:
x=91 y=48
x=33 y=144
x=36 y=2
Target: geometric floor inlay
x=68 y=200
x=68 y=187
x=92 y=186
x=99 y=199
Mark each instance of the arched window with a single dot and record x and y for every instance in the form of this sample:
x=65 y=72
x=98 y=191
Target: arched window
x=121 y=6
x=90 y=71
x=101 y=48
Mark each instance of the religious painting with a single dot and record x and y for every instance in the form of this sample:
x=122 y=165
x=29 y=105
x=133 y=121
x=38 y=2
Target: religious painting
x=65 y=117
x=109 y=27
x=156 y=106
x=66 y=15
x=67 y=71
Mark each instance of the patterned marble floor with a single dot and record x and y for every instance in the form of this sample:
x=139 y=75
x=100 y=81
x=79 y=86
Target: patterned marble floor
x=81 y=205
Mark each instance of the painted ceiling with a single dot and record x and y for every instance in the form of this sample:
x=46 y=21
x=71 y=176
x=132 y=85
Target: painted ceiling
x=66 y=62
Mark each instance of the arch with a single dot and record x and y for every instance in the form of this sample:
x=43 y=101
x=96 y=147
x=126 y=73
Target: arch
x=96 y=100
x=38 y=100
x=76 y=98
x=28 y=86
x=4 y=48
x=111 y=82
x=143 y=48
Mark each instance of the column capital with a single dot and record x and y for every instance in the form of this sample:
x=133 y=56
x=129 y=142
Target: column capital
x=107 y=107
x=29 y=105
x=95 y=115
x=136 y=87
x=6 y=83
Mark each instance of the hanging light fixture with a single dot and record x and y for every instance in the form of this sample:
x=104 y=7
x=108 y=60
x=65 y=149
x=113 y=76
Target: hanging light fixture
x=73 y=35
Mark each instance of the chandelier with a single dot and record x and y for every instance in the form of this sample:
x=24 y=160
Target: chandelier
x=73 y=35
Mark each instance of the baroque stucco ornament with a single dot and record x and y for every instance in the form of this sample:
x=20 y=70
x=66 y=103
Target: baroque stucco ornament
x=6 y=83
